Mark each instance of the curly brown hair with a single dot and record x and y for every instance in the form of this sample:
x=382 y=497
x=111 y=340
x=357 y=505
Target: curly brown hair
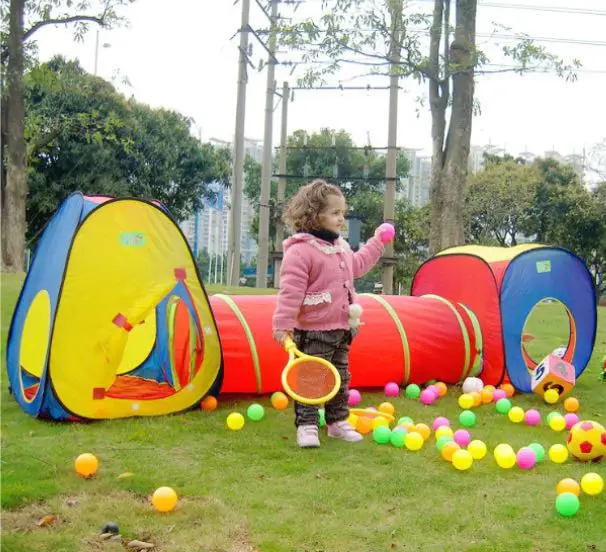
x=303 y=211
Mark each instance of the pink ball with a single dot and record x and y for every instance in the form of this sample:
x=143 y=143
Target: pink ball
x=526 y=458
x=440 y=421
x=498 y=394
x=434 y=390
x=532 y=417
x=462 y=437
x=392 y=389
x=387 y=232
x=571 y=419
x=354 y=397
x=427 y=397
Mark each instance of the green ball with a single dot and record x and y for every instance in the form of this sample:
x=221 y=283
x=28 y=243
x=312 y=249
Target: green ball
x=567 y=504
x=322 y=415
x=503 y=406
x=467 y=418
x=413 y=391
x=551 y=415
x=397 y=437
x=381 y=434
x=405 y=420
x=539 y=451
x=255 y=412
x=442 y=441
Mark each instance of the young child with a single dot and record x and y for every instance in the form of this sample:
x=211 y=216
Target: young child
x=316 y=304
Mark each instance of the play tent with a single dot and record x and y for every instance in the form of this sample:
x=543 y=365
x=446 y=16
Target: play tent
x=113 y=320
x=502 y=286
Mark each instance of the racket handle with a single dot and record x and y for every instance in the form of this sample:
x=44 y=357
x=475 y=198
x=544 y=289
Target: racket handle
x=289 y=344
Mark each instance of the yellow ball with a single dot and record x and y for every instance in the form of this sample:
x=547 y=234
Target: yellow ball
x=504 y=456
x=443 y=431
x=387 y=408
x=592 y=484
x=462 y=459
x=477 y=449
x=516 y=414
x=558 y=454
x=164 y=499
x=379 y=421
x=557 y=423
x=414 y=440
x=551 y=396
x=86 y=464
x=235 y=421
x=353 y=419
x=466 y=401
x=423 y=430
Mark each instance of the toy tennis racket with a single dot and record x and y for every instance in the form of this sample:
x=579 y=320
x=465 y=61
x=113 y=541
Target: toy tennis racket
x=309 y=379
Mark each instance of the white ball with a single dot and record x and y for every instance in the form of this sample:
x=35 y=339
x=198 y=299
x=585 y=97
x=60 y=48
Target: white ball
x=355 y=310
x=471 y=385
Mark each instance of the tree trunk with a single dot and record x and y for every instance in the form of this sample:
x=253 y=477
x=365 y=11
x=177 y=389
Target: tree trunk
x=15 y=191
x=449 y=165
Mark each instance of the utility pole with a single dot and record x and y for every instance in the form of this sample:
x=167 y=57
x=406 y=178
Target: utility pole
x=235 y=218
x=392 y=140
x=267 y=165
x=281 y=184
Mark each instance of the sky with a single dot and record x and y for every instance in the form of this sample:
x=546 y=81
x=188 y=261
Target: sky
x=183 y=55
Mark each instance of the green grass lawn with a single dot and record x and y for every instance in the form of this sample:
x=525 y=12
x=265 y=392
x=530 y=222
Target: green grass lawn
x=255 y=490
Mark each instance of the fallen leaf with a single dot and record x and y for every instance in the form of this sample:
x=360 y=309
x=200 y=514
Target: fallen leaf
x=47 y=520
x=125 y=475
x=140 y=545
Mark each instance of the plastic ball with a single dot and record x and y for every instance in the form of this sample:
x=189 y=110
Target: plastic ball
x=434 y=390
x=503 y=406
x=448 y=450
x=557 y=423
x=235 y=421
x=498 y=395
x=381 y=434
x=444 y=431
x=477 y=398
x=392 y=389
x=504 y=456
x=86 y=464
x=551 y=396
x=571 y=419
x=558 y=454
x=364 y=425
x=587 y=441
x=442 y=441
x=164 y=499
x=486 y=395
x=462 y=459
x=467 y=418
x=209 y=404
x=423 y=430
x=466 y=401
x=462 y=437
x=526 y=458
x=353 y=419
x=398 y=437
x=567 y=504
x=477 y=449
x=255 y=412
x=386 y=232
x=532 y=417
x=571 y=404
x=439 y=422
x=552 y=414
x=472 y=384
x=592 y=484
x=441 y=387
x=413 y=391
x=428 y=397
x=279 y=400
x=387 y=408
x=539 y=451
x=414 y=441
x=379 y=421
x=568 y=485
x=508 y=388
x=516 y=414
x=354 y=397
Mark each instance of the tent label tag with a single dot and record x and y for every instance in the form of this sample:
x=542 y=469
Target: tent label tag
x=543 y=266
x=132 y=239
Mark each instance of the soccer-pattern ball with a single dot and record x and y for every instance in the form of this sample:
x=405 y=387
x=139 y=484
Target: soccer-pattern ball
x=587 y=441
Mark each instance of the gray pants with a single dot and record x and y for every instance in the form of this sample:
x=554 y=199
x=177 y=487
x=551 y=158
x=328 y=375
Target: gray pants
x=333 y=346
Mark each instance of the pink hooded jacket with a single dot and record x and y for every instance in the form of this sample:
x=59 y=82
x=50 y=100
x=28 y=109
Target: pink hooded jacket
x=316 y=282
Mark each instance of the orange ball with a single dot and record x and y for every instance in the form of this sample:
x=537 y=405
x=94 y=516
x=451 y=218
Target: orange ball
x=86 y=465
x=571 y=404
x=441 y=387
x=487 y=395
x=387 y=408
x=477 y=398
x=568 y=485
x=490 y=388
x=449 y=449
x=209 y=403
x=364 y=425
x=164 y=499
x=408 y=426
x=279 y=400
x=508 y=388
x=424 y=430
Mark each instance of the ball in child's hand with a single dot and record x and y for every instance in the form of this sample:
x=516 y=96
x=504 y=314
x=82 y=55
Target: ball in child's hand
x=386 y=232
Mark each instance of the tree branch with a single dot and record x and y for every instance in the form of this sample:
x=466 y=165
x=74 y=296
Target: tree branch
x=63 y=21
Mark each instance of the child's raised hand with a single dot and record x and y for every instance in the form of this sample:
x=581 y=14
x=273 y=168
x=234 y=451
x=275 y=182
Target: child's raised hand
x=281 y=336
x=385 y=232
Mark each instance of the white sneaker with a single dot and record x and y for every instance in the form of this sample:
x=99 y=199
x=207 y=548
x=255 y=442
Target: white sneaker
x=345 y=431
x=307 y=436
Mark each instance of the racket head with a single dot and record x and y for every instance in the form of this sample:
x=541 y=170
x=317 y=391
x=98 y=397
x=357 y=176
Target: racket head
x=311 y=380
x=364 y=413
